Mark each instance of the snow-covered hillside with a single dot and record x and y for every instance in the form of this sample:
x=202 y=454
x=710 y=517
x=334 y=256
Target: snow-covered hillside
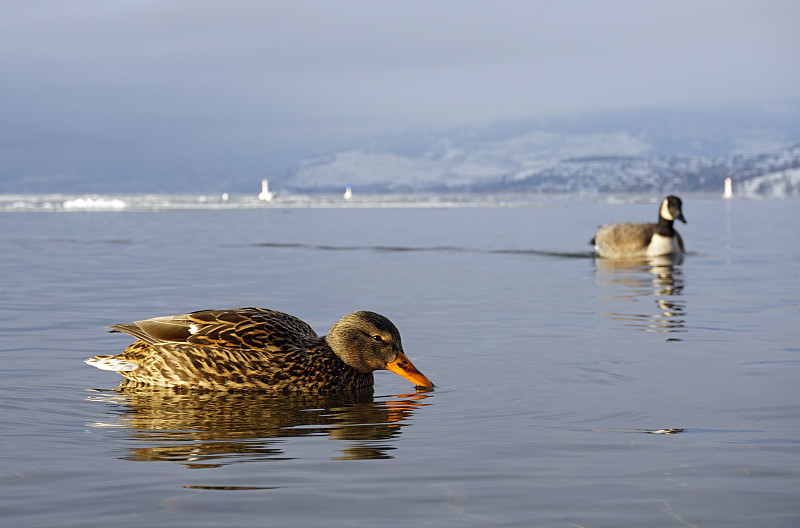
x=782 y=184
x=548 y=162
x=446 y=164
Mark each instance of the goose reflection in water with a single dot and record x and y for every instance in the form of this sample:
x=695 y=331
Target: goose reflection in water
x=211 y=429
x=654 y=277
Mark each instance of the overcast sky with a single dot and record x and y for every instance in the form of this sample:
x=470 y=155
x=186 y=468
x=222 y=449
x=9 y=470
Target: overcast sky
x=113 y=82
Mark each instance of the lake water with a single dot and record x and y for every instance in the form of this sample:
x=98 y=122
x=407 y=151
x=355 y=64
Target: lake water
x=569 y=391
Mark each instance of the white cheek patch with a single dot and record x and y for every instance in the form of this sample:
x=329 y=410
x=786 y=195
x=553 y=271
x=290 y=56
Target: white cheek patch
x=665 y=214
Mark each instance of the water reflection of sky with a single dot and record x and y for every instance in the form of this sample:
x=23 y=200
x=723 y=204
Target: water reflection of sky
x=626 y=283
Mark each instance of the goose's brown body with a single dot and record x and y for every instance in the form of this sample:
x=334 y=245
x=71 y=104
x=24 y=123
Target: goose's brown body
x=259 y=349
x=636 y=240
x=631 y=240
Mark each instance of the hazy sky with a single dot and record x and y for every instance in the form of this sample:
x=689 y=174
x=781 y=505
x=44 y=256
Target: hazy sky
x=93 y=84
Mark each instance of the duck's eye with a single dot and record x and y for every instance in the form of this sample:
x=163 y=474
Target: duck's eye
x=378 y=338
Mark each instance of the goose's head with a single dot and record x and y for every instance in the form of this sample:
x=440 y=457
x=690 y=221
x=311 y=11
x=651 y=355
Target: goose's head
x=672 y=209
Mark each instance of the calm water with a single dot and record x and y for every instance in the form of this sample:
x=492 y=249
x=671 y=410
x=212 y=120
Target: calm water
x=570 y=392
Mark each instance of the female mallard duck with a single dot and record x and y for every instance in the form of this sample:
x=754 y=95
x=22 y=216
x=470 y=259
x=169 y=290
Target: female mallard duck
x=632 y=240
x=259 y=349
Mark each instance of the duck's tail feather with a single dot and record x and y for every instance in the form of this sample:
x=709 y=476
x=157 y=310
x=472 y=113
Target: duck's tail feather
x=111 y=363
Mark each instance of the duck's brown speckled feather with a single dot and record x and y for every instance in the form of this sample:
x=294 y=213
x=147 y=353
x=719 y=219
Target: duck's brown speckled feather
x=200 y=367
x=239 y=328
x=242 y=349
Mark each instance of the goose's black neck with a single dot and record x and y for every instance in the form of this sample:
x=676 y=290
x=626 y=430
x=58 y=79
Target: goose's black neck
x=665 y=227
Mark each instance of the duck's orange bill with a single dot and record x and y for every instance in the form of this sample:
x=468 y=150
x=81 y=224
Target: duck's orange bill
x=402 y=366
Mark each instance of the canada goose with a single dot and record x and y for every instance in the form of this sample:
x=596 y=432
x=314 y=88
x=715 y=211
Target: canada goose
x=636 y=240
x=259 y=349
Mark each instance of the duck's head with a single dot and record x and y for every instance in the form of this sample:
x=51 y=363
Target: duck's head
x=672 y=209
x=368 y=341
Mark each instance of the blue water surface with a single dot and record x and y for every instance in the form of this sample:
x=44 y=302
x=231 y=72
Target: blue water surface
x=570 y=391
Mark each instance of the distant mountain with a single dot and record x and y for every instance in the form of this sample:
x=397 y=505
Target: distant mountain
x=659 y=174
x=449 y=163
x=656 y=150
x=688 y=148
x=548 y=162
x=780 y=184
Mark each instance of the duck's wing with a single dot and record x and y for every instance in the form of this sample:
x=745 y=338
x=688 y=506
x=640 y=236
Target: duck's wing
x=242 y=328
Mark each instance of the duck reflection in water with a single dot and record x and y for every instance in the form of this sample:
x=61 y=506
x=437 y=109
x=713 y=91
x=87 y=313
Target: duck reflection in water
x=646 y=278
x=211 y=429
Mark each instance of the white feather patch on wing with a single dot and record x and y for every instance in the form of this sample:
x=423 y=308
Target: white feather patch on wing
x=111 y=363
